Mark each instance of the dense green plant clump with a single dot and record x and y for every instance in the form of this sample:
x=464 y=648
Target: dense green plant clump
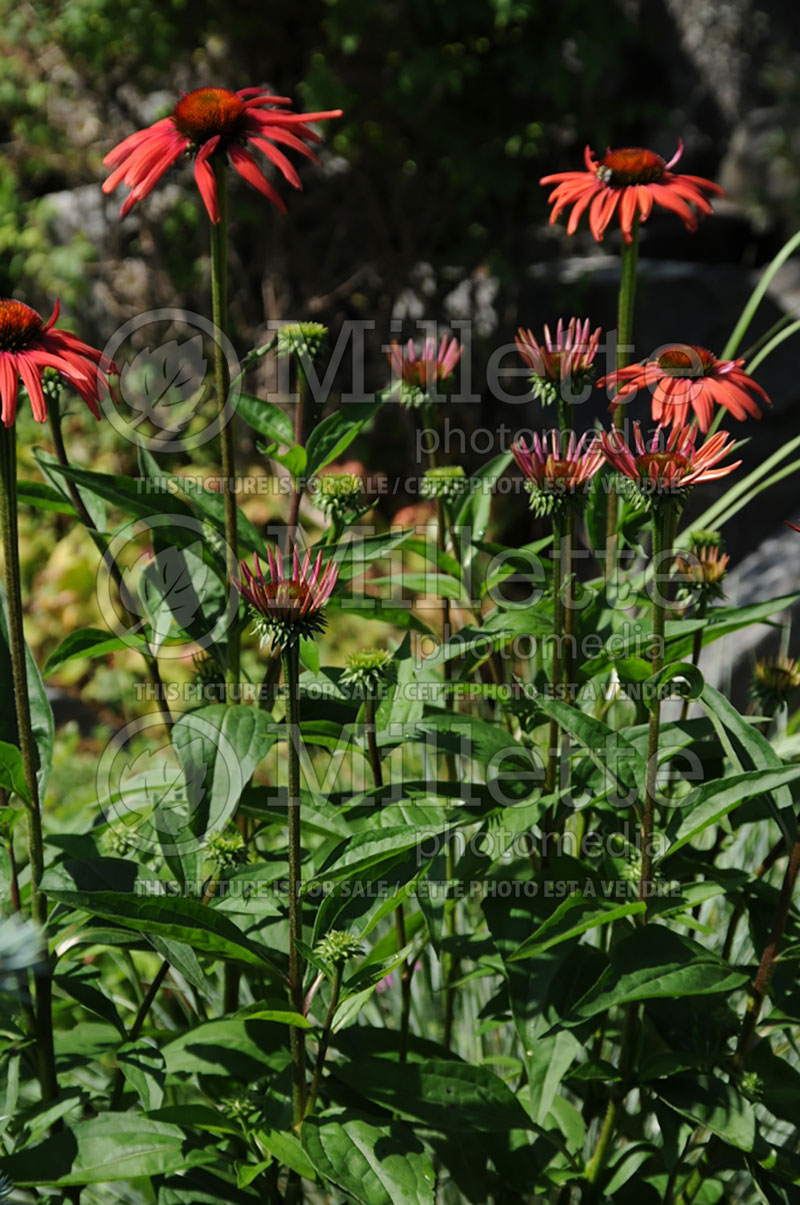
x=416 y=862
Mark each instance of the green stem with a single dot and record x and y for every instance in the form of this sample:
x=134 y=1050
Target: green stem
x=325 y=1038
x=299 y=438
x=625 y=310
x=219 y=307
x=450 y=968
x=661 y=523
x=568 y=608
x=563 y=421
x=597 y=1162
x=556 y=672
x=598 y=1159
x=27 y=745
x=136 y=1029
x=427 y=413
x=291 y=673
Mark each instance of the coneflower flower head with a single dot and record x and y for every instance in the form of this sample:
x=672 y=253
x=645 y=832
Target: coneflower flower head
x=306 y=340
x=774 y=682
x=288 y=608
x=417 y=374
x=448 y=482
x=29 y=347
x=337 y=947
x=684 y=377
x=339 y=494
x=628 y=182
x=226 y=851
x=367 y=670
x=561 y=366
x=558 y=476
x=663 y=471
x=215 y=124
x=700 y=538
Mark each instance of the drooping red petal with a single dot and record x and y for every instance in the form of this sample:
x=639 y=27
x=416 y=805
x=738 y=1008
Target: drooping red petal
x=33 y=384
x=205 y=179
x=248 y=169
x=9 y=386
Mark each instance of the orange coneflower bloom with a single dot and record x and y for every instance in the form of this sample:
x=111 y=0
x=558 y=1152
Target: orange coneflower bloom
x=628 y=181
x=670 y=467
x=684 y=376
x=214 y=122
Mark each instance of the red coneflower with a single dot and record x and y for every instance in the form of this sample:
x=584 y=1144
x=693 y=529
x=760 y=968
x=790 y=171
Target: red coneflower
x=215 y=122
x=434 y=363
x=670 y=467
x=563 y=362
x=683 y=375
x=287 y=608
x=633 y=180
x=556 y=474
x=29 y=345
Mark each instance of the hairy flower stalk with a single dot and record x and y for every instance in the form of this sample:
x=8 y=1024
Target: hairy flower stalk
x=291 y=677
x=559 y=472
x=416 y=377
x=219 y=310
x=626 y=304
x=27 y=745
x=286 y=608
x=661 y=527
x=660 y=474
x=304 y=342
x=335 y=949
x=29 y=347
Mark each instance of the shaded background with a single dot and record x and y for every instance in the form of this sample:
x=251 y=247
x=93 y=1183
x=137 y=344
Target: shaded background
x=427 y=204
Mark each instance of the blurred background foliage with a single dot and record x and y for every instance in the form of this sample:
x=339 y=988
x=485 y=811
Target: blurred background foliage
x=452 y=111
